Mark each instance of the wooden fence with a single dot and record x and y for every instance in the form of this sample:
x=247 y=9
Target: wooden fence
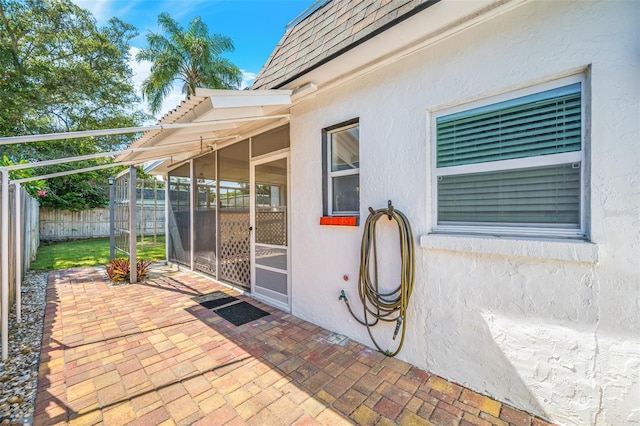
x=62 y=225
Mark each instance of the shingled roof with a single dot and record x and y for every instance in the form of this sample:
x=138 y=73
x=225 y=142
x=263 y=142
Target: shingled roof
x=328 y=32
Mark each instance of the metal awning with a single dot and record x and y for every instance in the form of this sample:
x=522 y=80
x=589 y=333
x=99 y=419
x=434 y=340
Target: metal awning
x=210 y=118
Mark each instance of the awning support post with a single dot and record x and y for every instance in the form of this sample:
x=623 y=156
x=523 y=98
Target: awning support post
x=19 y=251
x=4 y=265
x=112 y=218
x=142 y=221
x=192 y=198
x=167 y=215
x=133 y=237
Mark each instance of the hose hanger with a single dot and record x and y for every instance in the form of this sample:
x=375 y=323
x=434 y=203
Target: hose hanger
x=377 y=305
x=389 y=210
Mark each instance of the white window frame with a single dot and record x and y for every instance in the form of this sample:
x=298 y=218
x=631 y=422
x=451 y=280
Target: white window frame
x=330 y=175
x=575 y=157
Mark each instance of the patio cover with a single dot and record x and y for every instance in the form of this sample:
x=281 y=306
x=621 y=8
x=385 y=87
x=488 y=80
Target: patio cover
x=216 y=117
x=198 y=124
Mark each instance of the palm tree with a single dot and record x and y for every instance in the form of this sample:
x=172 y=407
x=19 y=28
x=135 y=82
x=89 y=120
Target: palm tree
x=192 y=57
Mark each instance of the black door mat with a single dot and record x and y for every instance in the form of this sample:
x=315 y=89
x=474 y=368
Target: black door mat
x=215 y=299
x=241 y=313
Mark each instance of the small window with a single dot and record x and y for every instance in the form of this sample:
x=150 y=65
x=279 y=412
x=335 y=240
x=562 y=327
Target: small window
x=341 y=162
x=513 y=166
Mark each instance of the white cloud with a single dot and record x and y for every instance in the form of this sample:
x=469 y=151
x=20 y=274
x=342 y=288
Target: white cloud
x=172 y=100
x=103 y=10
x=141 y=70
x=247 y=78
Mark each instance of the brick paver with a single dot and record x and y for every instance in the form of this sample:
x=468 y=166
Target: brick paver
x=149 y=354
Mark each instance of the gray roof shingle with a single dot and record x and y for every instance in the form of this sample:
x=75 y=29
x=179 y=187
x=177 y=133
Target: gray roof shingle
x=328 y=32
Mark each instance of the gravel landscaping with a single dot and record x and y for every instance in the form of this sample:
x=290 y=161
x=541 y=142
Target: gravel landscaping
x=19 y=374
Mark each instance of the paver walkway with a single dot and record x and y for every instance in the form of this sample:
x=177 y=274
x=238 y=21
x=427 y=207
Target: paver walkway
x=148 y=354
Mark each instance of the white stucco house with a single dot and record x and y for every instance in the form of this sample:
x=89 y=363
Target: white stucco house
x=506 y=131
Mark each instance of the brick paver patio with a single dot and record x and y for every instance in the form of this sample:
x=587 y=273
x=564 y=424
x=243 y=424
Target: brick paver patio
x=148 y=354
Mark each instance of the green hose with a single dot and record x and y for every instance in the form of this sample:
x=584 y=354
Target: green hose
x=380 y=306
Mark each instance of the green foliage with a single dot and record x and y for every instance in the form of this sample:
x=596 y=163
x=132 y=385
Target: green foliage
x=92 y=252
x=192 y=57
x=77 y=191
x=35 y=188
x=119 y=270
x=62 y=73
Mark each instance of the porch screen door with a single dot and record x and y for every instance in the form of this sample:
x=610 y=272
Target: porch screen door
x=270 y=255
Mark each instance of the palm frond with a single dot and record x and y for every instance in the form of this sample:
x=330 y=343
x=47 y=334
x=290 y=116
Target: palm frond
x=169 y=25
x=192 y=56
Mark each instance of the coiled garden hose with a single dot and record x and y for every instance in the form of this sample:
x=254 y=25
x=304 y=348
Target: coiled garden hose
x=381 y=306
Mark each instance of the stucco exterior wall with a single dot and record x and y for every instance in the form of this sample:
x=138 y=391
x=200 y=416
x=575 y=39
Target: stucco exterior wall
x=551 y=327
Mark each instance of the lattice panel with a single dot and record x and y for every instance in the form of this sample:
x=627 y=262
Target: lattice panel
x=271 y=226
x=235 y=247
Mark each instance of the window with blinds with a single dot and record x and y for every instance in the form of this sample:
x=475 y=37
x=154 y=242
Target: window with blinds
x=514 y=166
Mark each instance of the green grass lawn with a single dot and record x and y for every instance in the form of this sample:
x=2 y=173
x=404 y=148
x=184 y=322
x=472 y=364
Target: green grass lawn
x=90 y=253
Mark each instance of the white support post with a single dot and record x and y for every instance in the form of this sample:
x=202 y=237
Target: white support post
x=4 y=265
x=112 y=218
x=192 y=197
x=142 y=219
x=19 y=251
x=218 y=205
x=167 y=207
x=133 y=237
x=155 y=210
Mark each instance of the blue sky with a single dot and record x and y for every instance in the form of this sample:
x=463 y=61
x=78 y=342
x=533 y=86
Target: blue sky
x=255 y=26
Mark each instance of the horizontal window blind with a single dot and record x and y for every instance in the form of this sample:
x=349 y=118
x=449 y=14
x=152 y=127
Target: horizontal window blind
x=545 y=123
x=524 y=197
